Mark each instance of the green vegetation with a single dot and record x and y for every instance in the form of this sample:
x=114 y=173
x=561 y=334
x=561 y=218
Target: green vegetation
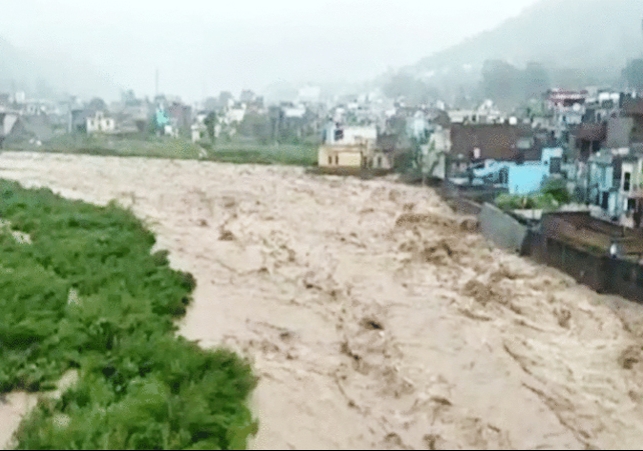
x=150 y=146
x=413 y=90
x=557 y=190
x=284 y=154
x=235 y=151
x=551 y=196
x=87 y=295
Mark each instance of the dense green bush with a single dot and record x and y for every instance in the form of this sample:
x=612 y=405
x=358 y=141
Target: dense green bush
x=557 y=189
x=552 y=195
x=86 y=294
x=536 y=201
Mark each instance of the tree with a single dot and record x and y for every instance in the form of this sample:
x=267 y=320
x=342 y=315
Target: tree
x=129 y=98
x=210 y=122
x=97 y=104
x=535 y=80
x=557 y=190
x=256 y=126
x=501 y=82
x=414 y=91
x=633 y=74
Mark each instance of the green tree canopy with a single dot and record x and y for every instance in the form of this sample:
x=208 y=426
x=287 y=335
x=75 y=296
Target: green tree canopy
x=535 y=80
x=413 y=90
x=97 y=104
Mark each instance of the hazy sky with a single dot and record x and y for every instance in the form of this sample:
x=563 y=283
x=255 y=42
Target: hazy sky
x=205 y=46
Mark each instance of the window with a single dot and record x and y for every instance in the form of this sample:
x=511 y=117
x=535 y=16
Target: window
x=330 y=160
x=379 y=162
x=626 y=181
x=337 y=159
x=631 y=204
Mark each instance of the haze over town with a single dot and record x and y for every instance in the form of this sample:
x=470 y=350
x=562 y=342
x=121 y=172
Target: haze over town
x=202 y=47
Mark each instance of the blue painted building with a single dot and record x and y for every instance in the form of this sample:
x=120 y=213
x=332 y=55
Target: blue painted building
x=552 y=157
x=521 y=179
x=603 y=183
x=526 y=178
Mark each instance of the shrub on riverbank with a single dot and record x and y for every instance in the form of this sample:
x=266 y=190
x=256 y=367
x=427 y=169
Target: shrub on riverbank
x=86 y=294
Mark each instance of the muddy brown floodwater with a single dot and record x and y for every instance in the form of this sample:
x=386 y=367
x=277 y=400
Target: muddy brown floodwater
x=372 y=314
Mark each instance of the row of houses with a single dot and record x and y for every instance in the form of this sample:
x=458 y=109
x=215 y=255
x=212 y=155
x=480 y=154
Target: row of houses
x=592 y=142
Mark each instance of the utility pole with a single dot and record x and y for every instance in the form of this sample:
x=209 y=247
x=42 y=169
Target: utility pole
x=156 y=90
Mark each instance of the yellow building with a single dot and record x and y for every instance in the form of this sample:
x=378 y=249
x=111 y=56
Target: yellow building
x=339 y=156
x=347 y=147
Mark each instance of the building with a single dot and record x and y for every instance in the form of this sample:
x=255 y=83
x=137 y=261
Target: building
x=633 y=109
x=11 y=126
x=631 y=187
x=586 y=139
x=473 y=144
x=604 y=181
x=199 y=132
x=100 y=123
x=180 y=115
x=614 y=184
x=235 y=114
x=383 y=155
x=247 y=96
x=78 y=120
x=348 y=147
x=619 y=132
x=568 y=108
x=435 y=152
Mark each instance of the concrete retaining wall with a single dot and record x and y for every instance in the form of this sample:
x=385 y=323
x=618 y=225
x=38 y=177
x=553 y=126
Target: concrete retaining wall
x=503 y=230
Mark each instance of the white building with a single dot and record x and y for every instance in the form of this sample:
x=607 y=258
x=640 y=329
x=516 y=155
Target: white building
x=434 y=153
x=100 y=123
x=351 y=136
x=235 y=115
x=20 y=97
x=198 y=132
x=298 y=111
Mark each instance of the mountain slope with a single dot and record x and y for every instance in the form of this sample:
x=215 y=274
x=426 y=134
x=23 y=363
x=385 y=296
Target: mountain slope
x=582 y=34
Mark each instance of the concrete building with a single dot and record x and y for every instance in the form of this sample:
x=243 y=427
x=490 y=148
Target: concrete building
x=100 y=123
x=347 y=147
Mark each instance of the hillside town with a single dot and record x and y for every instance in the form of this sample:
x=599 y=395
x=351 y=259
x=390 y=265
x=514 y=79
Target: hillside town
x=591 y=139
